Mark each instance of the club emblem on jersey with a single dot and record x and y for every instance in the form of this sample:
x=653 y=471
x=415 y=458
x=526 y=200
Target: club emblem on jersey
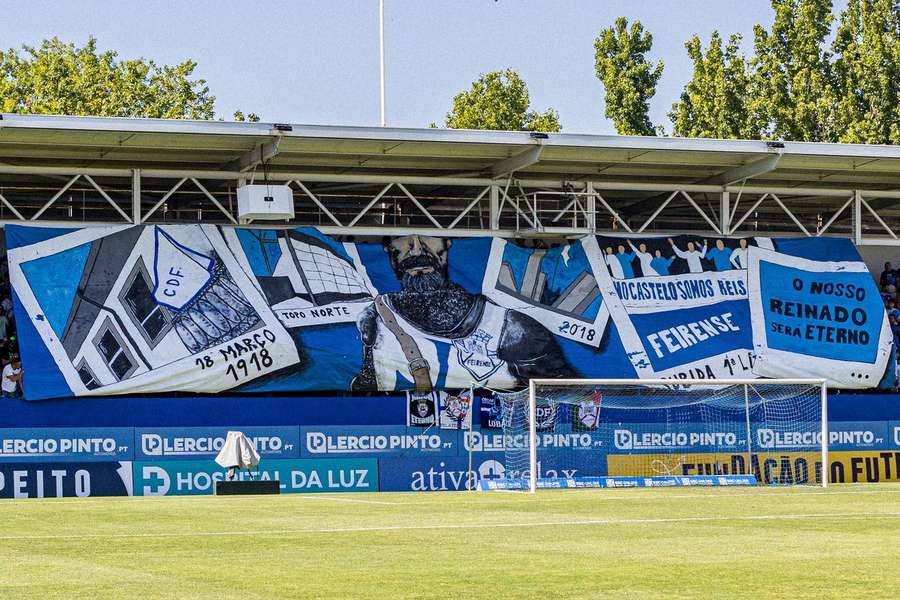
x=475 y=355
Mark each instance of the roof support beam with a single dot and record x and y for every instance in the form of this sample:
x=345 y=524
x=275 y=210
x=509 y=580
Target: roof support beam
x=726 y=178
x=418 y=204
x=214 y=201
x=752 y=169
x=162 y=200
x=12 y=208
x=107 y=198
x=55 y=197
x=371 y=203
x=516 y=162
x=254 y=157
x=469 y=207
x=317 y=202
x=877 y=217
x=835 y=216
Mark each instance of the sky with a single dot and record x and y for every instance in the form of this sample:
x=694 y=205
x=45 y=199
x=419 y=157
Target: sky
x=316 y=61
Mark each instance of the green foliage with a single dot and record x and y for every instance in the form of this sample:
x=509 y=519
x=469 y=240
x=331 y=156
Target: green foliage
x=714 y=102
x=867 y=73
x=790 y=90
x=793 y=88
x=651 y=544
x=627 y=76
x=60 y=78
x=499 y=100
x=240 y=117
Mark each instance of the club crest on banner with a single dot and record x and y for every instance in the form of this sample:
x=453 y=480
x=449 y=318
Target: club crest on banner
x=475 y=355
x=180 y=272
x=455 y=410
x=586 y=415
x=422 y=409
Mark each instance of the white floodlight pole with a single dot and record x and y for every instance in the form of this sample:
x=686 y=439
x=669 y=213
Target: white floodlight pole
x=381 y=48
x=532 y=437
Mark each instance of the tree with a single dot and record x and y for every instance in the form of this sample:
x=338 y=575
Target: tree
x=499 y=100
x=867 y=73
x=63 y=79
x=627 y=76
x=714 y=102
x=240 y=117
x=790 y=91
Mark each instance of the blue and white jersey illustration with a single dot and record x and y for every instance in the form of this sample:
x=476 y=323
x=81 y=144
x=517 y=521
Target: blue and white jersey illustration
x=452 y=362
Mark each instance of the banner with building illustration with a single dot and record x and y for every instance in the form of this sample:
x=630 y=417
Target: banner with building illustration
x=206 y=309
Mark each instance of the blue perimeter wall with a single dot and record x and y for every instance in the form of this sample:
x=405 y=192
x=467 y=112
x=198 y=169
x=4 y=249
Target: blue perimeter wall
x=166 y=446
x=227 y=411
x=199 y=411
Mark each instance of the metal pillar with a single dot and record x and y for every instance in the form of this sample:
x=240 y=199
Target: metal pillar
x=136 y=196
x=495 y=207
x=725 y=213
x=591 y=207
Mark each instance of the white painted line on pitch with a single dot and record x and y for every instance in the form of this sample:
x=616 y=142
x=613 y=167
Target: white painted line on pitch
x=654 y=495
x=422 y=498
x=74 y=503
x=352 y=500
x=449 y=526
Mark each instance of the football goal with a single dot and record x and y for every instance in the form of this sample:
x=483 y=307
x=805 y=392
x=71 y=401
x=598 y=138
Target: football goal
x=571 y=433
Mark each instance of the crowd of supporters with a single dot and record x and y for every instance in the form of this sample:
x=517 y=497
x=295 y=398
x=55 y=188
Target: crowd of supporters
x=888 y=283
x=10 y=366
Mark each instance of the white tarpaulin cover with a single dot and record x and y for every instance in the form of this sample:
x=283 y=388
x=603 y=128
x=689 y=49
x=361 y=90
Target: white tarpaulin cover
x=238 y=451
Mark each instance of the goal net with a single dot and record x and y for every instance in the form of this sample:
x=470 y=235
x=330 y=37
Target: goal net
x=635 y=433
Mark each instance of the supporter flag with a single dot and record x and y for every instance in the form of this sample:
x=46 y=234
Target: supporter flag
x=586 y=415
x=422 y=409
x=455 y=410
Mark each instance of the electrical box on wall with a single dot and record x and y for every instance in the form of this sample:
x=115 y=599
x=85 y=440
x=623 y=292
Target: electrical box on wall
x=265 y=203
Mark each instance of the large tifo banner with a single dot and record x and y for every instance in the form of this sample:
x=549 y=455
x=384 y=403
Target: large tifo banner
x=200 y=308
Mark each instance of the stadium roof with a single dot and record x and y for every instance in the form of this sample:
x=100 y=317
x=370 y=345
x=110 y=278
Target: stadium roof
x=216 y=145
x=634 y=171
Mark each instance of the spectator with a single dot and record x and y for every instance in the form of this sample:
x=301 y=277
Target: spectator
x=8 y=342
x=897 y=373
x=888 y=276
x=895 y=329
x=12 y=376
x=891 y=308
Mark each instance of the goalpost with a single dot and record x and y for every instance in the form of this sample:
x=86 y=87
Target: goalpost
x=574 y=433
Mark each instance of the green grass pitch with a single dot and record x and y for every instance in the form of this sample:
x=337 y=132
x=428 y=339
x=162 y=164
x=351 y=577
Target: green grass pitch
x=843 y=542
